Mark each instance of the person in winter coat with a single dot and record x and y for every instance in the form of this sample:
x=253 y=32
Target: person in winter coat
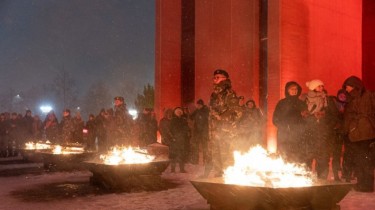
x=123 y=122
x=180 y=137
x=79 y=124
x=165 y=127
x=250 y=126
x=147 y=128
x=224 y=117
x=348 y=156
x=51 y=128
x=322 y=119
x=92 y=133
x=3 y=136
x=101 y=122
x=37 y=127
x=359 y=124
x=200 y=132
x=288 y=117
x=67 y=128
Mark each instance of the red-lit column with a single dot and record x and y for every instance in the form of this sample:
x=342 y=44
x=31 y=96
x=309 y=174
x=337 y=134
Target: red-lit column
x=167 y=55
x=311 y=39
x=368 y=44
x=227 y=37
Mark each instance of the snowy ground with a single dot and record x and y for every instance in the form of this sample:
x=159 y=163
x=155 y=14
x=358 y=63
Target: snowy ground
x=28 y=186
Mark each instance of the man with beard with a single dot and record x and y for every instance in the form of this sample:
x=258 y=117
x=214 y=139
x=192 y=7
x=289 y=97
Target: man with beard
x=224 y=115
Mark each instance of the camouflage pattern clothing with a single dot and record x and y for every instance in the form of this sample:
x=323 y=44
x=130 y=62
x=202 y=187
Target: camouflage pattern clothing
x=224 y=115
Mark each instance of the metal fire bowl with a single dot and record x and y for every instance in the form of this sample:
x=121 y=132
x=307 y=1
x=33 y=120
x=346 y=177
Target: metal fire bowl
x=320 y=196
x=33 y=155
x=126 y=176
x=65 y=162
x=154 y=168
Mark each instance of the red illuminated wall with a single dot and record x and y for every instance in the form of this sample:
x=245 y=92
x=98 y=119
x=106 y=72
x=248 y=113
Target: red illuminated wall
x=307 y=39
x=167 y=55
x=368 y=43
x=312 y=39
x=227 y=37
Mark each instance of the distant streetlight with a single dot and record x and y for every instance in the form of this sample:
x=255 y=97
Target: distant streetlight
x=133 y=113
x=45 y=108
x=17 y=98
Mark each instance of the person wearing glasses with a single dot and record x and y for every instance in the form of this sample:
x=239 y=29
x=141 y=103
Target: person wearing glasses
x=224 y=115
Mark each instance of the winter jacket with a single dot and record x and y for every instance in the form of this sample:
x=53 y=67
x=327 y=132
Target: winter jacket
x=360 y=111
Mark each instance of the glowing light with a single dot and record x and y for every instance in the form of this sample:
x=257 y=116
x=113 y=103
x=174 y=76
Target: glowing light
x=67 y=150
x=126 y=155
x=45 y=108
x=133 y=113
x=258 y=168
x=57 y=149
x=39 y=145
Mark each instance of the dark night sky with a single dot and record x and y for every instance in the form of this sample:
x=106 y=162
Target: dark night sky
x=112 y=40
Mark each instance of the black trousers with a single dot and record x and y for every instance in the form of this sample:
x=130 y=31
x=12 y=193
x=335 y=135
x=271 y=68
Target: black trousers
x=364 y=168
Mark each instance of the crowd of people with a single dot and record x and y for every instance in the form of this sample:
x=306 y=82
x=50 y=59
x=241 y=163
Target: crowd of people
x=316 y=126
x=313 y=128
x=113 y=126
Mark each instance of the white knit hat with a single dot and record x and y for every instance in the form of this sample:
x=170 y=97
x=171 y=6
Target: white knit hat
x=314 y=84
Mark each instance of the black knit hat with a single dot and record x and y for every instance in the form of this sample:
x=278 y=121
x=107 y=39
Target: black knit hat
x=200 y=101
x=221 y=71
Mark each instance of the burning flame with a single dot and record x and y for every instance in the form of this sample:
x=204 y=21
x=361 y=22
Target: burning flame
x=257 y=168
x=67 y=150
x=126 y=155
x=39 y=145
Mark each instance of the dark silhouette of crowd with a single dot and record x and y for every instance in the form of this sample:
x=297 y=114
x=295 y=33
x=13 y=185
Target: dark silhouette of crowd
x=109 y=128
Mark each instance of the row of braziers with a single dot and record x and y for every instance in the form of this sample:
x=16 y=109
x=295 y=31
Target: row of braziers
x=119 y=169
x=124 y=168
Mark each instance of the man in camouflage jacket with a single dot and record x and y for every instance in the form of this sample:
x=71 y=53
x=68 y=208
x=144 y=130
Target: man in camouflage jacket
x=225 y=113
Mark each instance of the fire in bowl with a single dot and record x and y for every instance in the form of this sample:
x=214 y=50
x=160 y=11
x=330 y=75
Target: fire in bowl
x=125 y=168
x=259 y=181
x=66 y=158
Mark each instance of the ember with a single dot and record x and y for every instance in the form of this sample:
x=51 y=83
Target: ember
x=257 y=168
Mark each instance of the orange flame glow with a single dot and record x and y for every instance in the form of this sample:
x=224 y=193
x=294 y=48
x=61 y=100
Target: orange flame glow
x=126 y=155
x=257 y=168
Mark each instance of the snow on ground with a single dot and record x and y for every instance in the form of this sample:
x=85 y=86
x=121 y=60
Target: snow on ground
x=37 y=189
x=41 y=191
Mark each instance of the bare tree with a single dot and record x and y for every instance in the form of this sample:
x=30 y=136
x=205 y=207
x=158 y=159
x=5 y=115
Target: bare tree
x=65 y=90
x=96 y=97
x=146 y=100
